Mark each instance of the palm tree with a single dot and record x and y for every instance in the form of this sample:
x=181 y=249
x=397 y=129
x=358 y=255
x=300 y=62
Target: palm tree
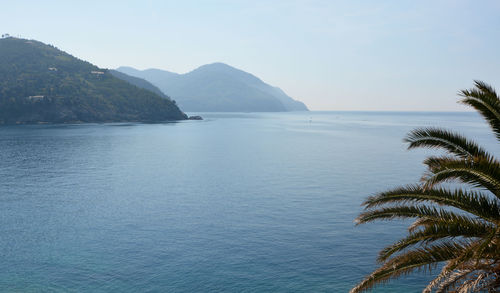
x=457 y=228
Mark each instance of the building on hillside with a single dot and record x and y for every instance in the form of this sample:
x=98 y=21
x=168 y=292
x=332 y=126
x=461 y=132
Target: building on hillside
x=36 y=98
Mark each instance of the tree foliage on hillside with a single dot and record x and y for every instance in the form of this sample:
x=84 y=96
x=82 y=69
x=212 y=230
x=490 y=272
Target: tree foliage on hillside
x=39 y=83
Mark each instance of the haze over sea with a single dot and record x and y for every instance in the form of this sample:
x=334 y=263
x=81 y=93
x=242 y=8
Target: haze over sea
x=250 y=202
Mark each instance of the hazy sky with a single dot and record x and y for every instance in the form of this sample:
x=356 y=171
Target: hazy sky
x=332 y=55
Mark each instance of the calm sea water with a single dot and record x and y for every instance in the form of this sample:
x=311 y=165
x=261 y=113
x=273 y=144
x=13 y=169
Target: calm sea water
x=234 y=203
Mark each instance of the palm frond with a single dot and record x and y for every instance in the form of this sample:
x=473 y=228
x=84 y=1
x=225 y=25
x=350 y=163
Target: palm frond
x=451 y=142
x=409 y=211
x=422 y=258
x=438 y=231
x=445 y=275
x=485 y=100
x=472 y=202
x=480 y=173
x=457 y=227
x=452 y=279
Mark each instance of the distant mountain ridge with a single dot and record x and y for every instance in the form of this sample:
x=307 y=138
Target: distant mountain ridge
x=40 y=83
x=138 y=82
x=218 y=87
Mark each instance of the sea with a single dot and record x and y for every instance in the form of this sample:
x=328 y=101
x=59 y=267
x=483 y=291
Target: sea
x=238 y=202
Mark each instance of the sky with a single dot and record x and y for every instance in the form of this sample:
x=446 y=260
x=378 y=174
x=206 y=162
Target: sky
x=333 y=55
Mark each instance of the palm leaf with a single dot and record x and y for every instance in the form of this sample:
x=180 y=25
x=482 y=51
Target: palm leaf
x=457 y=227
x=472 y=202
x=438 y=138
x=422 y=258
x=480 y=173
x=485 y=100
x=439 y=231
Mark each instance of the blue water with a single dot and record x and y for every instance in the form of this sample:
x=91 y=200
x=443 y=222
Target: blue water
x=234 y=203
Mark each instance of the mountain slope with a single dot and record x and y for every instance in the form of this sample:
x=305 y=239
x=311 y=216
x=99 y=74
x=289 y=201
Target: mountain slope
x=138 y=82
x=219 y=87
x=40 y=83
x=154 y=76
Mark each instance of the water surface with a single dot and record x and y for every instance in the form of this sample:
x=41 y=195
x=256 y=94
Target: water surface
x=234 y=203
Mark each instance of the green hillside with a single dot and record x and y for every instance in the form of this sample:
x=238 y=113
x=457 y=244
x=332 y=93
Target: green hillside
x=40 y=83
